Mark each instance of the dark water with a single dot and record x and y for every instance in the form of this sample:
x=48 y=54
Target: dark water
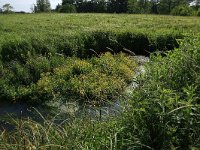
x=59 y=114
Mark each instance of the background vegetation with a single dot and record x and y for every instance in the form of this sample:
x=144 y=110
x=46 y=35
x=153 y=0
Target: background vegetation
x=129 y=6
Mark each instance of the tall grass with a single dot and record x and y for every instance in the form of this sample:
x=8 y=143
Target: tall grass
x=164 y=112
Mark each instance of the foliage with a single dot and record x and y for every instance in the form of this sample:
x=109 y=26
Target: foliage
x=84 y=134
x=39 y=79
x=7 y=8
x=138 y=7
x=164 y=109
x=198 y=12
x=182 y=11
x=166 y=6
x=67 y=8
x=127 y=6
x=26 y=61
x=42 y=6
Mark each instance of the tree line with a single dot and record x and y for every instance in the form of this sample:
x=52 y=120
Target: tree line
x=177 y=7
x=119 y=6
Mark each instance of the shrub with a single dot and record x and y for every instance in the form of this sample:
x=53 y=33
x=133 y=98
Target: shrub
x=99 y=41
x=135 y=42
x=42 y=46
x=95 y=81
x=37 y=66
x=68 y=8
x=198 y=12
x=42 y=79
x=182 y=11
x=19 y=50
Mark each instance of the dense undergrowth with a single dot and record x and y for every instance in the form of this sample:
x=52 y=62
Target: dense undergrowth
x=36 y=80
x=163 y=113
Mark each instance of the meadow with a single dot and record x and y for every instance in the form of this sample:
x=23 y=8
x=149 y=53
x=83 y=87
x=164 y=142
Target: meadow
x=87 y=58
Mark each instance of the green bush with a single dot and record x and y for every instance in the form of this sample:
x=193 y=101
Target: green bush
x=198 y=12
x=67 y=8
x=95 y=81
x=42 y=79
x=43 y=46
x=37 y=66
x=87 y=45
x=19 y=50
x=137 y=43
x=182 y=11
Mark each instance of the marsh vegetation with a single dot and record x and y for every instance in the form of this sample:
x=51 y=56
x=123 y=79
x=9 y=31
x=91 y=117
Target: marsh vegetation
x=58 y=58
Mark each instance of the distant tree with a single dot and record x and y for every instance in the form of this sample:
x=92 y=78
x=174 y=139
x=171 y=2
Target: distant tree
x=117 y=6
x=7 y=8
x=139 y=6
x=58 y=7
x=101 y=6
x=182 y=11
x=133 y=7
x=42 y=6
x=197 y=5
x=64 y=2
x=166 y=6
x=68 y=8
x=154 y=6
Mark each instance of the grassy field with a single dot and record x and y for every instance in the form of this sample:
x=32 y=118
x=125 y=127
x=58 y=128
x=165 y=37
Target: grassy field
x=72 y=24
x=79 y=32
x=52 y=57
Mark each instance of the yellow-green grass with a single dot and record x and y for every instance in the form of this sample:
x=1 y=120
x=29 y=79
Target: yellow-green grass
x=70 y=24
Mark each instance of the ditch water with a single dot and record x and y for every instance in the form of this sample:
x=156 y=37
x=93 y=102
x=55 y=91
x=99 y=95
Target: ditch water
x=22 y=110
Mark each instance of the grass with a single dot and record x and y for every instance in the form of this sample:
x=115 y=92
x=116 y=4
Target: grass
x=64 y=33
x=162 y=112
x=71 y=24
